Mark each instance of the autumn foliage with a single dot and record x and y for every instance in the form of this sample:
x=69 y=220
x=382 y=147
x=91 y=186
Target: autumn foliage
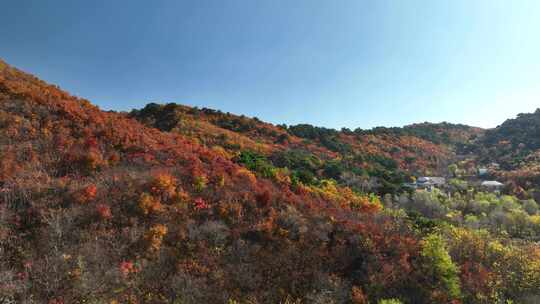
x=206 y=207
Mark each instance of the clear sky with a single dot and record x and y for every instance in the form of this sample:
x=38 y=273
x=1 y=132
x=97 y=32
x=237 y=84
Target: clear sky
x=346 y=63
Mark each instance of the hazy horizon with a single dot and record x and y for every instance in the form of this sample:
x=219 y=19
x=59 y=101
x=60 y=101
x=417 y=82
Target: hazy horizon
x=355 y=64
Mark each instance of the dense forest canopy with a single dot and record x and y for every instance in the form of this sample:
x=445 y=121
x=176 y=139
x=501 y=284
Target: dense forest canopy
x=174 y=204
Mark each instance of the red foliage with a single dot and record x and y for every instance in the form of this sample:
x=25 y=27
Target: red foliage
x=200 y=204
x=104 y=211
x=280 y=245
x=90 y=191
x=86 y=194
x=91 y=143
x=126 y=268
x=263 y=198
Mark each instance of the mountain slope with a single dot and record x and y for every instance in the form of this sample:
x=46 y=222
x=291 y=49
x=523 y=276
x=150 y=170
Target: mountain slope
x=515 y=146
x=514 y=140
x=378 y=160
x=97 y=207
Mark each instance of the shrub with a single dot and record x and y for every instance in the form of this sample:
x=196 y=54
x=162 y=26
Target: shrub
x=200 y=204
x=164 y=184
x=126 y=268
x=200 y=183
x=358 y=296
x=439 y=266
x=104 y=211
x=530 y=206
x=257 y=163
x=154 y=237
x=213 y=232
x=329 y=289
x=427 y=204
x=86 y=194
x=149 y=204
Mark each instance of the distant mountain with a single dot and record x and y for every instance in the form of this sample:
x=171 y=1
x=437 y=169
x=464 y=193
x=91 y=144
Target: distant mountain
x=513 y=141
x=515 y=147
x=438 y=133
x=524 y=131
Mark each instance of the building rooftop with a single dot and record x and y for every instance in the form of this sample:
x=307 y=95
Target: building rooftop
x=432 y=180
x=492 y=184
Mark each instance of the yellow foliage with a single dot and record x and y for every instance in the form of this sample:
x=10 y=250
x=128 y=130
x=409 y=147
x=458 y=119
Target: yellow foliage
x=221 y=181
x=282 y=176
x=245 y=173
x=180 y=197
x=345 y=197
x=154 y=236
x=149 y=204
x=221 y=152
x=200 y=183
x=535 y=219
x=164 y=184
x=496 y=247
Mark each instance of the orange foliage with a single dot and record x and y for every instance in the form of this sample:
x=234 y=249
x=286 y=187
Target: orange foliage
x=86 y=194
x=358 y=296
x=164 y=184
x=149 y=204
x=154 y=237
x=281 y=236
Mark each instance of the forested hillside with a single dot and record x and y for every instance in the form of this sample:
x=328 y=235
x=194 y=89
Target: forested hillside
x=515 y=147
x=378 y=160
x=171 y=204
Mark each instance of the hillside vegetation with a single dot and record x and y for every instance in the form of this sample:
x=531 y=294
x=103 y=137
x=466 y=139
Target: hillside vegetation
x=378 y=160
x=515 y=146
x=171 y=204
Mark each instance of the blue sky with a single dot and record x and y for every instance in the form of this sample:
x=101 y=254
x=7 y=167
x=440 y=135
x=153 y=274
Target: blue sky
x=347 y=63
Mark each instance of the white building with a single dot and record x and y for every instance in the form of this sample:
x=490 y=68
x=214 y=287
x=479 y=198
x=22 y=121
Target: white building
x=492 y=185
